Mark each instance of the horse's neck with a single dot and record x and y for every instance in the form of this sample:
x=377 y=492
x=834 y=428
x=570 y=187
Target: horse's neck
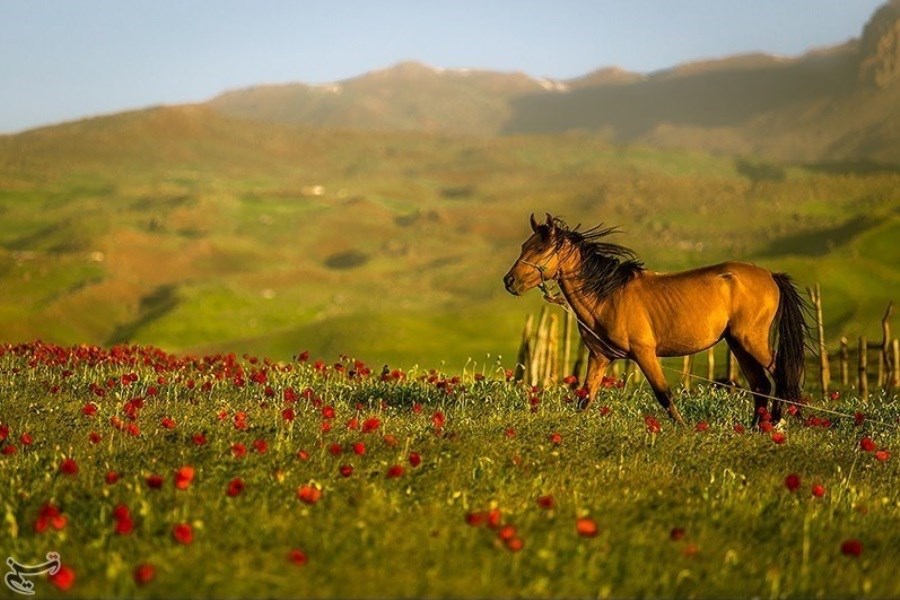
x=587 y=307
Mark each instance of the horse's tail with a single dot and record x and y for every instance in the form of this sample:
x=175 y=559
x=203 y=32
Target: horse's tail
x=792 y=334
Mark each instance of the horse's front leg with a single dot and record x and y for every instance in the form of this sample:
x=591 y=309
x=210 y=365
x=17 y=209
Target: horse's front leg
x=652 y=369
x=596 y=369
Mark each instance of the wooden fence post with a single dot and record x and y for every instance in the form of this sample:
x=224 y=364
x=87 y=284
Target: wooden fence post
x=711 y=363
x=845 y=362
x=895 y=382
x=567 y=344
x=886 y=366
x=523 y=360
x=815 y=295
x=551 y=368
x=863 y=379
x=539 y=349
x=687 y=364
x=732 y=368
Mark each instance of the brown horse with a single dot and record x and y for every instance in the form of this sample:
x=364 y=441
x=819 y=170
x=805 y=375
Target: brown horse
x=625 y=311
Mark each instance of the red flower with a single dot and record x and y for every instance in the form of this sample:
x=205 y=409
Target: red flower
x=111 y=477
x=370 y=424
x=199 y=439
x=183 y=477
x=858 y=418
x=89 y=409
x=556 y=438
x=154 y=481
x=867 y=444
x=882 y=455
x=818 y=490
x=778 y=437
x=50 y=515
x=652 y=424
x=239 y=450
x=4 y=431
x=587 y=527
x=792 y=482
x=494 y=516
x=676 y=534
x=144 y=573
x=414 y=459
x=514 y=544
x=546 y=502
x=510 y=432
x=476 y=518
x=507 y=532
x=395 y=471
x=438 y=419
x=260 y=445
x=738 y=428
x=95 y=437
x=308 y=494
x=302 y=454
x=851 y=547
x=328 y=412
x=235 y=487
x=125 y=525
x=183 y=533
x=336 y=449
x=359 y=448
x=64 y=578
x=26 y=439
x=68 y=466
x=298 y=557
x=346 y=470
x=168 y=423
x=702 y=426
x=766 y=426
x=390 y=440
x=9 y=450
x=288 y=414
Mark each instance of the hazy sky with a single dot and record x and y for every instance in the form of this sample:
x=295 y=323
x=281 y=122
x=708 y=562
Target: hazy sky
x=62 y=59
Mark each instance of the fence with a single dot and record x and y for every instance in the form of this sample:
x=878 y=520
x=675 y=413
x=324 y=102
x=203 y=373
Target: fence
x=552 y=349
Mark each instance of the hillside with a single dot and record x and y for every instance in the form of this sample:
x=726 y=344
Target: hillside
x=186 y=229
x=835 y=103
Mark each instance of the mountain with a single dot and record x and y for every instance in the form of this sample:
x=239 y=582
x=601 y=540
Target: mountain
x=832 y=104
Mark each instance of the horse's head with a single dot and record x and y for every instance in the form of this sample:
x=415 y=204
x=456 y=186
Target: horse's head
x=539 y=260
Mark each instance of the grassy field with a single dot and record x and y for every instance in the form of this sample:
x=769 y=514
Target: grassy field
x=220 y=476
x=184 y=229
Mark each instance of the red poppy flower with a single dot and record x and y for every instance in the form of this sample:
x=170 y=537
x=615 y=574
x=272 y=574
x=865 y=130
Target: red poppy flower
x=168 y=423
x=144 y=573
x=605 y=410
x=260 y=445
x=556 y=438
x=766 y=426
x=676 y=534
x=328 y=412
x=50 y=516
x=235 y=487
x=124 y=525
x=390 y=440
x=183 y=533
x=851 y=547
x=415 y=459
x=792 y=482
x=154 y=481
x=298 y=557
x=507 y=532
x=183 y=477
x=882 y=455
x=308 y=494
x=818 y=490
x=302 y=454
x=510 y=432
x=95 y=437
x=335 y=449
x=26 y=439
x=4 y=431
x=476 y=519
x=494 y=517
x=89 y=409
x=370 y=424
x=738 y=428
x=514 y=544
x=858 y=418
x=546 y=502
x=199 y=439
x=239 y=450
x=359 y=448
x=652 y=424
x=702 y=426
x=64 y=578
x=9 y=450
x=288 y=414
x=68 y=466
x=326 y=426
x=586 y=527
x=395 y=471
x=346 y=470
x=438 y=419
x=867 y=444
x=111 y=477
x=778 y=437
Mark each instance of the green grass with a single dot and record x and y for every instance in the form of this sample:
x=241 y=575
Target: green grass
x=745 y=534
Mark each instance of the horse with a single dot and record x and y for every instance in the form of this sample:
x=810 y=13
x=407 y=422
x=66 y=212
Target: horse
x=624 y=310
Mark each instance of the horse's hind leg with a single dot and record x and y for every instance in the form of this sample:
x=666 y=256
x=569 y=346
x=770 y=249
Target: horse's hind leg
x=649 y=364
x=755 y=372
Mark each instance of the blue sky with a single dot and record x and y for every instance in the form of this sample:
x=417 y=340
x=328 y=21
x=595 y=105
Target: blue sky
x=63 y=60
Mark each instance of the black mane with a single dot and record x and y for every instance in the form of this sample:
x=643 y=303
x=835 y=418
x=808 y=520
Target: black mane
x=605 y=267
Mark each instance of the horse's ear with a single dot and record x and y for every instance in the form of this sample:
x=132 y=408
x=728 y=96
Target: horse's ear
x=534 y=224
x=550 y=222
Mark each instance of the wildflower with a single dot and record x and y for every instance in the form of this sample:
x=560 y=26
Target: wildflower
x=556 y=438
x=676 y=534
x=308 y=494
x=395 y=471
x=494 y=517
x=867 y=444
x=64 y=578
x=26 y=439
x=95 y=437
x=546 y=502
x=414 y=459
x=359 y=448
x=346 y=470
x=818 y=490
x=288 y=414
x=183 y=477
x=738 y=428
x=144 y=573
x=183 y=533
x=702 y=426
x=514 y=544
x=235 y=487
x=652 y=424
x=298 y=557
x=586 y=527
x=476 y=518
x=89 y=409
x=111 y=477
x=778 y=437
x=792 y=482
x=199 y=439
x=302 y=454
x=507 y=532
x=336 y=449
x=438 y=419
x=390 y=440
x=260 y=445
x=370 y=424
x=238 y=449
x=882 y=455
x=68 y=466
x=168 y=423
x=510 y=432
x=328 y=412
x=851 y=547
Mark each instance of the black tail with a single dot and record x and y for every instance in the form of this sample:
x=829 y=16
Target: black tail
x=792 y=334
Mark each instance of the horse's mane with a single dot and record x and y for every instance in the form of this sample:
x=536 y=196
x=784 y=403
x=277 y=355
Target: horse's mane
x=605 y=267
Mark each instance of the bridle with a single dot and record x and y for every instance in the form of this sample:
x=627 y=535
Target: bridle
x=548 y=294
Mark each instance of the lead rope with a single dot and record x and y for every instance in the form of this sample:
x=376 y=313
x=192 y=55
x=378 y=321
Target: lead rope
x=565 y=305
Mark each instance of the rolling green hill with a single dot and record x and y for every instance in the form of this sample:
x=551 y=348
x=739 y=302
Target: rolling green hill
x=183 y=228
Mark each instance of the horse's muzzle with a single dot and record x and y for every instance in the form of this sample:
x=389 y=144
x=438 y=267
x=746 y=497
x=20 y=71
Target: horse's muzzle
x=510 y=282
